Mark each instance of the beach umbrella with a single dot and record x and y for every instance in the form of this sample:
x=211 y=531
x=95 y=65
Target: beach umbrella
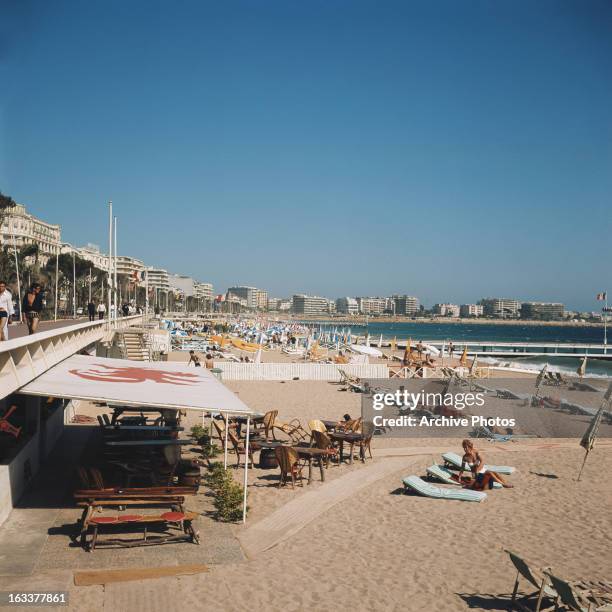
x=581 y=371
x=463 y=359
x=408 y=351
x=380 y=341
x=473 y=366
x=258 y=356
x=588 y=439
x=540 y=378
x=394 y=343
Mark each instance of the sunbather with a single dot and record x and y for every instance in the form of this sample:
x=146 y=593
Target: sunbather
x=482 y=478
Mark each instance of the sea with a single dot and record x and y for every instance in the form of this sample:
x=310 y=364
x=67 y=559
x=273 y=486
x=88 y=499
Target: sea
x=458 y=332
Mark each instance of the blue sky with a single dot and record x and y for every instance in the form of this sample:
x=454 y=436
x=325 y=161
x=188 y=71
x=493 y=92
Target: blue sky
x=449 y=150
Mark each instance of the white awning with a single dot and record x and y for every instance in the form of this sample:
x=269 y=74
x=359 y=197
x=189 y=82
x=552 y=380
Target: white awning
x=366 y=350
x=158 y=384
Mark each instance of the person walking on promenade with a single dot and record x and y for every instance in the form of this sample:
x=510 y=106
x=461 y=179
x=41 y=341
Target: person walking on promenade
x=31 y=308
x=91 y=310
x=6 y=310
x=101 y=310
x=451 y=349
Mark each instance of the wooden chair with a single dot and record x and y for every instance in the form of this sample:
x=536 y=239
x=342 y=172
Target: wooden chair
x=239 y=448
x=293 y=429
x=322 y=440
x=289 y=464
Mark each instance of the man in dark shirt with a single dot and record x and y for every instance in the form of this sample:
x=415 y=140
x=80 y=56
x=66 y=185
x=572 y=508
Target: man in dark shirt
x=31 y=308
x=91 y=310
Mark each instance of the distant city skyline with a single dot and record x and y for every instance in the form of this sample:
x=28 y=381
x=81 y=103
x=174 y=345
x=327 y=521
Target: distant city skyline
x=452 y=152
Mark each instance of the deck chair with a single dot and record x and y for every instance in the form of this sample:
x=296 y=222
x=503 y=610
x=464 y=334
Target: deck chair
x=484 y=432
x=537 y=578
x=239 y=448
x=414 y=483
x=443 y=474
x=289 y=464
x=582 y=596
x=454 y=460
x=293 y=429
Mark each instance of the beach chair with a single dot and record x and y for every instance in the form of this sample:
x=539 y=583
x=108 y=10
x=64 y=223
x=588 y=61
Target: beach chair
x=321 y=440
x=418 y=485
x=582 y=596
x=535 y=577
x=293 y=428
x=485 y=432
x=317 y=425
x=289 y=464
x=443 y=474
x=454 y=460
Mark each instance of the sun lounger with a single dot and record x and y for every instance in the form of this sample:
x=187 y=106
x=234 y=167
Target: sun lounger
x=443 y=474
x=485 y=432
x=535 y=577
x=414 y=483
x=583 y=596
x=454 y=460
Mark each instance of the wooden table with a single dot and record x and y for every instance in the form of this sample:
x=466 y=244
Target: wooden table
x=351 y=438
x=310 y=453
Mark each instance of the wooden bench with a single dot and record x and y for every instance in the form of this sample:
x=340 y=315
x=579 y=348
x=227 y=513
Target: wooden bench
x=177 y=517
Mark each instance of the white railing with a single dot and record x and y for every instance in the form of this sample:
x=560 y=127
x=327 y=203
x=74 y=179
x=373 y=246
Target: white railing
x=23 y=359
x=303 y=371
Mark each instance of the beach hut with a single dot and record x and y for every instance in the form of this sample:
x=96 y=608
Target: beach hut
x=158 y=384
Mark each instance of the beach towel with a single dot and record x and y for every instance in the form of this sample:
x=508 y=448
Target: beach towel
x=455 y=460
x=428 y=490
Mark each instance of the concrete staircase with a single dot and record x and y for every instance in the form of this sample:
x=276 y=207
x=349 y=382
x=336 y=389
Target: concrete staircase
x=135 y=346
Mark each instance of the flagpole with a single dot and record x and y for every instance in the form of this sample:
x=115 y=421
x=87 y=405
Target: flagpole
x=110 y=259
x=606 y=324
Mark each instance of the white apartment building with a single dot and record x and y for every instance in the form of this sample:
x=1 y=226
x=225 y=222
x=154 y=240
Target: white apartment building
x=311 y=305
x=347 y=305
x=203 y=290
x=158 y=279
x=471 y=310
x=129 y=266
x=446 y=310
x=22 y=229
x=500 y=307
x=256 y=299
x=372 y=305
x=91 y=252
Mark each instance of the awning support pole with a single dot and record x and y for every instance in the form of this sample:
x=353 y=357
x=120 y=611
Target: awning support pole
x=225 y=445
x=246 y=469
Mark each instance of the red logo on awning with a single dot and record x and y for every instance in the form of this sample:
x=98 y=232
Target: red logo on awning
x=135 y=375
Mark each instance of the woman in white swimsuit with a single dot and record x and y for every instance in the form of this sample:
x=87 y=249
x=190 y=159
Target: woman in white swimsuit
x=481 y=477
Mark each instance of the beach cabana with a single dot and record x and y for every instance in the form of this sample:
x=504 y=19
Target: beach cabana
x=157 y=384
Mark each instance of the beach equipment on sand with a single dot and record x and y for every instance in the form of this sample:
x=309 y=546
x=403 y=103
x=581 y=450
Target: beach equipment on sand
x=366 y=350
x=454 y=460
x=583 y=596
x=581 y=371
x=540 y=379
x=414 y=483
x=588 y=439
x=535 y=577
x=443 y=474
x=484 y=432
x=463 y=358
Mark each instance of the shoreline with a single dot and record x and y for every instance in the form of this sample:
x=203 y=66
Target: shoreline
x=361 y=320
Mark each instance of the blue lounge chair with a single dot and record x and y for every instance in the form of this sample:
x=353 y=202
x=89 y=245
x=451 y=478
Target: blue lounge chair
x=414 y=483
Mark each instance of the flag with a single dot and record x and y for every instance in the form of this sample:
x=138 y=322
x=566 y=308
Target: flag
x=602 y=297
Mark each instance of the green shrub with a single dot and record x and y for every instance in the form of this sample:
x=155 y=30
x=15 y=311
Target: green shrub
x=202 y=437
x=228 y=493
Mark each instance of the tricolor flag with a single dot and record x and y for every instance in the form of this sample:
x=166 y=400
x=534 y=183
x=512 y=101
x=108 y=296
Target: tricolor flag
x=602 y=297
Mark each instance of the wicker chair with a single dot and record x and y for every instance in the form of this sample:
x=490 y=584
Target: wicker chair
x=289 y=464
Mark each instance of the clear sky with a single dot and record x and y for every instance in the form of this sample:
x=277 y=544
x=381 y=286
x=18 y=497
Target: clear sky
x=449 y=150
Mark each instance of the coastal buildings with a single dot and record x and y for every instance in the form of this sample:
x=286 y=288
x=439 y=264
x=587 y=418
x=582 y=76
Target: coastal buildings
x=542 y=310
x=91 y=253
x=255 y=299
x=158 y=279
x=347 y=305
x=129 y=266
x=446 y=310
x=500 y=307
x=471 y=310
x=405 y=305
x=203 y=291
x=372 y=305
x=309 y=305
x=21 y=229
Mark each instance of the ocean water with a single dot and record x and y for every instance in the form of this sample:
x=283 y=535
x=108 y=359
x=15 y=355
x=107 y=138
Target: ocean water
x=458 y=332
